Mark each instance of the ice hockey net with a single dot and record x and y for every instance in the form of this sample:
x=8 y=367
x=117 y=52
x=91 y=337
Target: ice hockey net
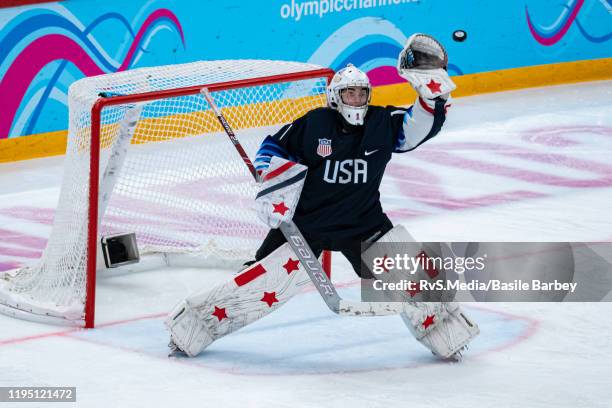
x=173 y=178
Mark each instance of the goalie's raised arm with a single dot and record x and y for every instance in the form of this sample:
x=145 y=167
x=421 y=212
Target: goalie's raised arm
x=421 y=122
x=422 y=62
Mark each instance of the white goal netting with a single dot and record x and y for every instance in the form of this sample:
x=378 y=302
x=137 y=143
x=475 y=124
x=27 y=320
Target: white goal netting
x=178 y=182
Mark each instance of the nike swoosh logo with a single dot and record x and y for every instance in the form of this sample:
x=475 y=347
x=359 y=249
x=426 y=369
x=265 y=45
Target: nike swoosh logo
x=372 y=152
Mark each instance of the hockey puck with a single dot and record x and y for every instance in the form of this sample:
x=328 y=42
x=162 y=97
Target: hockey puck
x=460 y=35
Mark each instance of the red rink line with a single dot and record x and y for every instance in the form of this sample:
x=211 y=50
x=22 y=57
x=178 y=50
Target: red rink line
x=530 y=331
x=67 y=332
x=20 y=340
x=532 y=328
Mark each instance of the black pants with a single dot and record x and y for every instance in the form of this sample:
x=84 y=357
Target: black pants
x=350 y=248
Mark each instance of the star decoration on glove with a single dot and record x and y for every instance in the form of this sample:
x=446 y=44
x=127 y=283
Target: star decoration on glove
x=269 y=298
x=291 y=265
x=280 y=208
x=428 y=321
x=219 y=313
x=434 y=86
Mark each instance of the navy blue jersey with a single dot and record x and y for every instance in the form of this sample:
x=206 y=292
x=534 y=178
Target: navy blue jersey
x=340 y=200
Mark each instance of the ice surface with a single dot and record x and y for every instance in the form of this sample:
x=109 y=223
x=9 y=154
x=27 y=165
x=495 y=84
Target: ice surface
x=531 y=165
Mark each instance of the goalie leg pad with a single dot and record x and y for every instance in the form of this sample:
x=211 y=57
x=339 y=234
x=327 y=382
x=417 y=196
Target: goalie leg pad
x=399 y=242
x=435 y=321
x=253 y=293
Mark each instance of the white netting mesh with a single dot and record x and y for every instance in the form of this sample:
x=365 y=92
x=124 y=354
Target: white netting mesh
x=182 y=187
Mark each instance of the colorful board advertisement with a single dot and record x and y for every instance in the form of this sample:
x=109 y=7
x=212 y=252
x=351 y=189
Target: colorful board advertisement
x=46 y=47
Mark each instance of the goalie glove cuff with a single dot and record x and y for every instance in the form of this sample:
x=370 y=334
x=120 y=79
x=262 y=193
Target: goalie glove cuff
x=430 y=83
x=279 y=191
x=429 y=105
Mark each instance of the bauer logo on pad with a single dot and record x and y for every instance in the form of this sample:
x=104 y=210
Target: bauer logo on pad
x=324 y=149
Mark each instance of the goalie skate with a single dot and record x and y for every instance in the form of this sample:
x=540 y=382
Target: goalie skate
x=441 y=327
x=175 y=351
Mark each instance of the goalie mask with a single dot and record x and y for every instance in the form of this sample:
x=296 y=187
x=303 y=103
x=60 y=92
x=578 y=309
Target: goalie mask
x=345 y=94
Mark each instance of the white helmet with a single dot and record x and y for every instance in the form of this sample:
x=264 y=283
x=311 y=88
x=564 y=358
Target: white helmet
x=348 y=77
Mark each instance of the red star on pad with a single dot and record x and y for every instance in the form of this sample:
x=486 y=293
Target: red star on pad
x=434 y=86
x=280 y=208
x=269 y=298
x=429 y=321
x=219 y=313
x=291 y=265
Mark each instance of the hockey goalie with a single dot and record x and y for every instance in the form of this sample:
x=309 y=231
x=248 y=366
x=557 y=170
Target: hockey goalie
x=322 y=173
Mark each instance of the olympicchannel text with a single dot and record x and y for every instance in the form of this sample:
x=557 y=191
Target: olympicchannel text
x=295 y=10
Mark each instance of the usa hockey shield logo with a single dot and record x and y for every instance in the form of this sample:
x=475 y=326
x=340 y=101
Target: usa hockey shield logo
x=324 y=148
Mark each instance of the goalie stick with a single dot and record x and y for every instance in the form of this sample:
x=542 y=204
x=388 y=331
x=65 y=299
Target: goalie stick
x=302 y=250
